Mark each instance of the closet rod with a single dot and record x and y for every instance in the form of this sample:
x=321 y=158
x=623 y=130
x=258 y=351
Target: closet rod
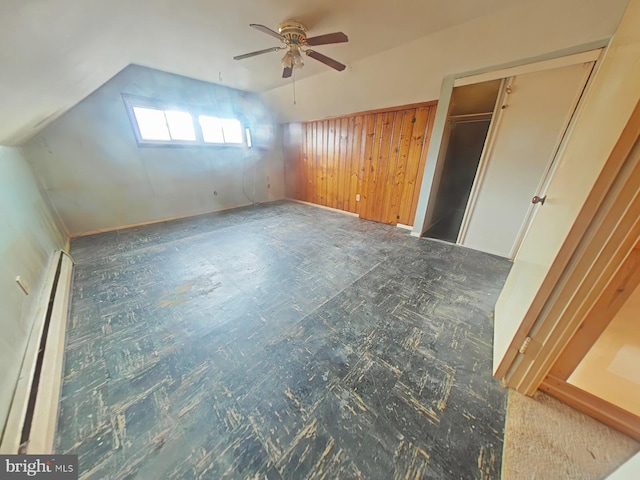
x=470 y=120
x=470 y=115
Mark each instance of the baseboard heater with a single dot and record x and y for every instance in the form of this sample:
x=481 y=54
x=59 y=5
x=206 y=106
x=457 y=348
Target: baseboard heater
x=31 y=423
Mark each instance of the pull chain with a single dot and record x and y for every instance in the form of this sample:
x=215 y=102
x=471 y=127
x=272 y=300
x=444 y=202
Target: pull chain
x=293 y=79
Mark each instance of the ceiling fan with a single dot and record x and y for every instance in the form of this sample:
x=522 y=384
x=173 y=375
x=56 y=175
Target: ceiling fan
x=294 y=36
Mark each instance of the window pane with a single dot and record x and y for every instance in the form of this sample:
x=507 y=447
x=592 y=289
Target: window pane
x=232 y=130
x=180 y=125
x=151 y=123
x=211 y=129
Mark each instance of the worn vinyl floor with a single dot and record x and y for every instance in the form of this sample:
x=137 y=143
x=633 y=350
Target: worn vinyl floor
x=281 y=341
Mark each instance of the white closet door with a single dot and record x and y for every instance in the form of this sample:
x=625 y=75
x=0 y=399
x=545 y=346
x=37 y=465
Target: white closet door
x=531 y=126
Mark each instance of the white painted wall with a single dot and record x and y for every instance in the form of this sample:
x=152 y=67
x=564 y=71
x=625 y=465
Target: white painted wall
x=29 y=235
x=414 y=72
x=98 y=178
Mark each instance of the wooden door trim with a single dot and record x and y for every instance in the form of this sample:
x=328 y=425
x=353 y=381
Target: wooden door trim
x=509 y=369
x=603 y=411
x=614 y=296
x=430 y=103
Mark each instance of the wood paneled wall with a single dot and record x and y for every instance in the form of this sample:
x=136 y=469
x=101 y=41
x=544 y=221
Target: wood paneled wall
x=378 y=156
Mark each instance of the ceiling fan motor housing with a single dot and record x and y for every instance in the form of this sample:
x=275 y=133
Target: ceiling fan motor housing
x=294 y=32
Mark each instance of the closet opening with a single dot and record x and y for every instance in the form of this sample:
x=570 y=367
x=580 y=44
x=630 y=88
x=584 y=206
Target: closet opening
x=470 y=114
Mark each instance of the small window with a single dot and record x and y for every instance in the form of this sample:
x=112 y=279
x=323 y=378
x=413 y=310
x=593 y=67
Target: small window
x=151 y=123
x=158 y=124
x=180 y=125
x=164 y=125
x=220 y=130
x=232 y=130
x=211 y=129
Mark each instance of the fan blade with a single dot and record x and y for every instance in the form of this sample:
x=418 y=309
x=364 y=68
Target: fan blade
x=259 y=52
x=337 y=37
x=326 y=60
x=268 y=31
x=286 y=73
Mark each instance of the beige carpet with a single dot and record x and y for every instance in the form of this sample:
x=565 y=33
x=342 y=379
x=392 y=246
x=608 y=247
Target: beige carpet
x=547 y=440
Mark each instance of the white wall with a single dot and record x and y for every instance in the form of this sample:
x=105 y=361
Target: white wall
x=414 y=72
x=98 y=178
x=28 y=237
x=628 y=470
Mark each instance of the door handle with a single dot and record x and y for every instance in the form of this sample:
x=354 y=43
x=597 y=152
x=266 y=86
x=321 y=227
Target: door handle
x=535 y=200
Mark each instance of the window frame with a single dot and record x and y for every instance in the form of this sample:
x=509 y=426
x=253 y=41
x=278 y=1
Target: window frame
x=131 y=101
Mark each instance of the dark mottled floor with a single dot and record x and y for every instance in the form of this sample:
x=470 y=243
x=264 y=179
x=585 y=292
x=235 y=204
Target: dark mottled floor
x=281 y=341
x=448 y=227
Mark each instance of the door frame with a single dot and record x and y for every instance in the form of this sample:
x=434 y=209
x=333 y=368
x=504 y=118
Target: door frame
x=507 y=76
x=437 y=147
x=620 y=288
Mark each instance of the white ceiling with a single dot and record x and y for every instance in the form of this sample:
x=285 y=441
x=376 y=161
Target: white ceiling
x=53 y=53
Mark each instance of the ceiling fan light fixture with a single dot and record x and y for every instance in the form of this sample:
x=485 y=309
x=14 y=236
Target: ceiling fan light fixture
x=293 y=59
x=287 y=60
x=298 y=62
x=294 y=36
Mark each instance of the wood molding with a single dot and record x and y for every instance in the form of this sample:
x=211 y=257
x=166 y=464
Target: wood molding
x=324 y=207
x=624 y=282
x=595 y=407
x=431 y=103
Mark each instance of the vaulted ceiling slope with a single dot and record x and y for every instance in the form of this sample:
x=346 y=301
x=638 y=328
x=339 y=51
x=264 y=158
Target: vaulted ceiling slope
x=53 y=53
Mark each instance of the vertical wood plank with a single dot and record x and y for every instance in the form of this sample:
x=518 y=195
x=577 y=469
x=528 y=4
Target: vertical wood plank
x=413 y=164
x=372 y=150
x=378 y=156
x=321 y=166
x=330 y=148
x=349 y=196
x=355 y=155
x=389 y=215
x=325 y=163
x=336 y=163
x=313 y=161
x=337 y=166
x=311 y=152
x=311 y=191
x=343 y=185
x=304 y=164
x=431 y=115
x=376 y=197
x=400 y=180
x=359 y=161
